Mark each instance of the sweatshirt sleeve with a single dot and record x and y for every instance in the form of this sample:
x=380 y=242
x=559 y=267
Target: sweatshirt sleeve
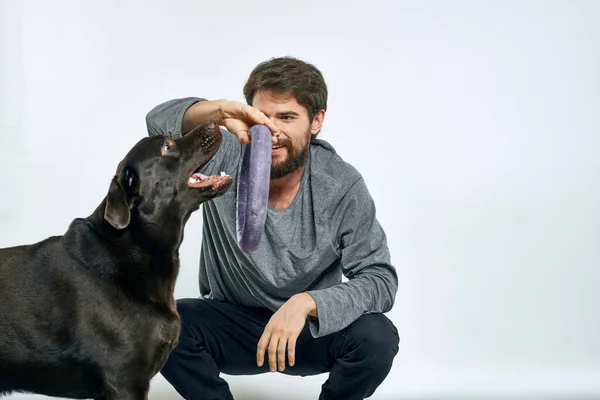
x=167 y=118
x=365 y=260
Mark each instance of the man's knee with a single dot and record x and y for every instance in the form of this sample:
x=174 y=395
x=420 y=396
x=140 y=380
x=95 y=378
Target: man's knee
x=189 y=342
x=187 y=310
x=373 y=336
x=195 y=315
x=200 y=320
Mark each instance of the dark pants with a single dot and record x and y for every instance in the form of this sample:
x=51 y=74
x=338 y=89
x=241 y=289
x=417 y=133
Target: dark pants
x=220 y=337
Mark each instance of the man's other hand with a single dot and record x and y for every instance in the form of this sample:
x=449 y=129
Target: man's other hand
x=282 y=331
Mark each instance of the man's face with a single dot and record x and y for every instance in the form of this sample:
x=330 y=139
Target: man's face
x=291 y=152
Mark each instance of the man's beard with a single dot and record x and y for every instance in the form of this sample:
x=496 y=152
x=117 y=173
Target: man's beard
x=296 y=158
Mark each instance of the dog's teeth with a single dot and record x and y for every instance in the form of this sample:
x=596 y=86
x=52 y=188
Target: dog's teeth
x=223 y=173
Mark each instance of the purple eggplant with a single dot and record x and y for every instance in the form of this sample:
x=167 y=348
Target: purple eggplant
x=253 y=188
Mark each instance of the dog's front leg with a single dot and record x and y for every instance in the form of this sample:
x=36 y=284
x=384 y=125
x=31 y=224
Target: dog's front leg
x=130 y=395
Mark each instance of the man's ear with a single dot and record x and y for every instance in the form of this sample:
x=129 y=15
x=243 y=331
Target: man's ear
x=117 y=210
x=317 y=122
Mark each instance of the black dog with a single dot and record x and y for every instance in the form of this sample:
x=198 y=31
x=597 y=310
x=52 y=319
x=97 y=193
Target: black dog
x=91 y=314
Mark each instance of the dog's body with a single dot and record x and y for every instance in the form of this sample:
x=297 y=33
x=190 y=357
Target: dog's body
x=91 y=314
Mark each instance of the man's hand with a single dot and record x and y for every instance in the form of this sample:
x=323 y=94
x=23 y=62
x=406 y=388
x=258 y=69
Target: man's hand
x=239 y=117
x=283 y=330
x=235 y=116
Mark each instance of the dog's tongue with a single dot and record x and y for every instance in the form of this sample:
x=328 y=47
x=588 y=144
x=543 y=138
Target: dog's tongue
x=198 y=180
x=198 y=175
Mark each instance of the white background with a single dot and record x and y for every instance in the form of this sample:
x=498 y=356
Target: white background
x=476 y=125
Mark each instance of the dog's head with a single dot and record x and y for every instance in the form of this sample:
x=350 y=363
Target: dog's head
x=158 y=181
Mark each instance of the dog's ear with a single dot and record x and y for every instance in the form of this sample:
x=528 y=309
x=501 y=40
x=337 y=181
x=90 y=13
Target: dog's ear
x=117 y=210
x=119 y=201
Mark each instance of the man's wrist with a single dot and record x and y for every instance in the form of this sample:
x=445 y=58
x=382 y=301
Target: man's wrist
x=310 y=304
x=202 y=112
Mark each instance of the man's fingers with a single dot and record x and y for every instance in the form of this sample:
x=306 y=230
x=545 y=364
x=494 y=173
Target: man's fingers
x=272 y=353
x=262 y=347
x=291 y=348
x=239 y=128
x=243 y=137
x=260 y=118
x=247 y=114
x=281 y=353
x=274 y=130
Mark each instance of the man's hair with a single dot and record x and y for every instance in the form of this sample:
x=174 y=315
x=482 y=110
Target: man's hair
x=289 y=75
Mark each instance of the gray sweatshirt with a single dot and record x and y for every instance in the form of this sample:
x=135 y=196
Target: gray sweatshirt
x=329 y=229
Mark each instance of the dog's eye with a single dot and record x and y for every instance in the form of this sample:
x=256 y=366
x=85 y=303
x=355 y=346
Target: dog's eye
x=167 y=146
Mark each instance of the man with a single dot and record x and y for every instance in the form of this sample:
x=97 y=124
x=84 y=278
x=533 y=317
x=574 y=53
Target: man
x=287 y=298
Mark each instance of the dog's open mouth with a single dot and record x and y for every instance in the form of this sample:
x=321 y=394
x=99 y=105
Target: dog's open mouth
x=198 y=180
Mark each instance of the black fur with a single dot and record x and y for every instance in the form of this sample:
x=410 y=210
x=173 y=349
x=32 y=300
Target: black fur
x=91 y=314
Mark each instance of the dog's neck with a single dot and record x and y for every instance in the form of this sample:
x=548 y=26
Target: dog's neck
x=144 y=267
